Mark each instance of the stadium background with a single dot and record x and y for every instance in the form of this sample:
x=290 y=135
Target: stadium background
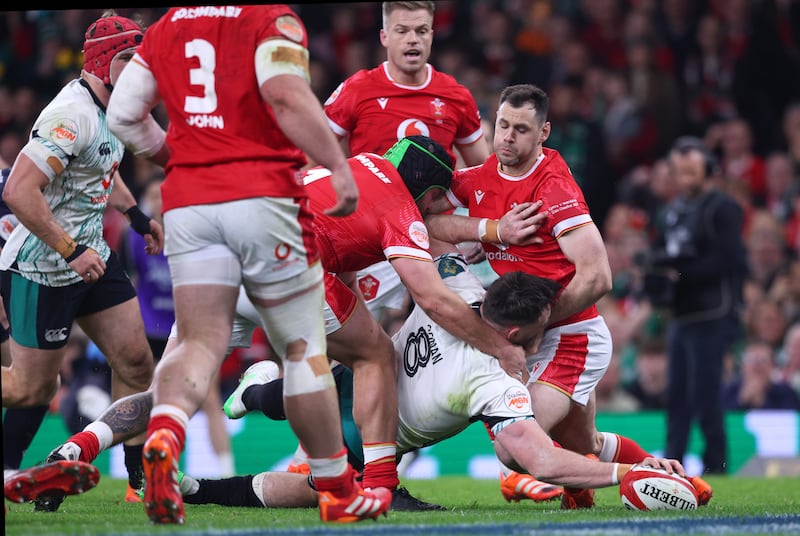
x=626 y=77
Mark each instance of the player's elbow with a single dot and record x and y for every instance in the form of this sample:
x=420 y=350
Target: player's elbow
x=603 y=283
x=119 y=122
x=599 y=281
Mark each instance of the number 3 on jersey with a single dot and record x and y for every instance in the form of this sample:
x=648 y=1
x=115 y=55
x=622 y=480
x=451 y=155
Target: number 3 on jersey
x=202 y=76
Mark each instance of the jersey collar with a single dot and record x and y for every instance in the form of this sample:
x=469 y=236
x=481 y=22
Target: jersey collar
x=524 y=175
x=96 y=100
x=428 y=69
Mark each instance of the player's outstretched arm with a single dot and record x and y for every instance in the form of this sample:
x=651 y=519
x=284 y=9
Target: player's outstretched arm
x=518 y=226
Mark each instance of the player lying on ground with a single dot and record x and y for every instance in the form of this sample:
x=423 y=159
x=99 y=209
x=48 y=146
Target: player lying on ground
x=435 y=369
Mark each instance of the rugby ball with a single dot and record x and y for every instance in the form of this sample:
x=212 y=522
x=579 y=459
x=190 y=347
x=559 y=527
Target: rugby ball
x=649 y=488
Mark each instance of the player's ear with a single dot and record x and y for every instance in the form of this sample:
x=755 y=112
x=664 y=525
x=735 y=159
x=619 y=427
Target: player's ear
x=511 y=333
x=545 y=133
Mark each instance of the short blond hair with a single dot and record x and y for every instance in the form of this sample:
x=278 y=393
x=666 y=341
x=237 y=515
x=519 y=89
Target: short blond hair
x=389 y=7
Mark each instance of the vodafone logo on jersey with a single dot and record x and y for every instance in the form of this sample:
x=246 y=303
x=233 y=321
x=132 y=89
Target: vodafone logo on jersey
x=419 y=234
x=412 y=127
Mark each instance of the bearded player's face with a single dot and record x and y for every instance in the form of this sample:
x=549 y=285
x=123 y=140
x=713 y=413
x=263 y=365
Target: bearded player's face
x=518 y=135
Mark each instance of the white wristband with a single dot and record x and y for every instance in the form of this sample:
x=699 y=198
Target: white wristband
x=482 y=229
x=614 y=477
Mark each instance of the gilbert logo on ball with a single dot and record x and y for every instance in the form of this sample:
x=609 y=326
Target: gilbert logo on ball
x=648 y=488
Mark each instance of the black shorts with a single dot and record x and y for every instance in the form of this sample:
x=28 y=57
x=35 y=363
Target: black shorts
x=42 y=317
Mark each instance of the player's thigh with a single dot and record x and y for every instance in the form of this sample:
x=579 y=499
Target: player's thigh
x=573 y=358
x=358 y=337
x=119 y=334
x=550 y=405
x=40 y=323
x=109 y=314
x=35 y=370
x=204 y=317
x=577 y=431
x=291 y=311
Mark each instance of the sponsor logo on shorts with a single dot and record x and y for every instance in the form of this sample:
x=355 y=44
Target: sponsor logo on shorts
x=55 y=335
x=282 y=251
x=517 y=399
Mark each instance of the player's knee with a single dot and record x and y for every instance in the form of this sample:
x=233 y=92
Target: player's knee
x=137 y=370
x=311 y=374
x=29 y=394
x=385 y=350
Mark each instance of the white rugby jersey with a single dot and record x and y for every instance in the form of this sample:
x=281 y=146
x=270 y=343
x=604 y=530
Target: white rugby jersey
x=71 y=128
x=443 y=383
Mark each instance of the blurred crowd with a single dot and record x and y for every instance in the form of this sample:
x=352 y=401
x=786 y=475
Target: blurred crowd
x=626 y=78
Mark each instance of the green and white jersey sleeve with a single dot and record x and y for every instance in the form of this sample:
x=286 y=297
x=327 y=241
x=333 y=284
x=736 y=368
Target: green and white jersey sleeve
x=72 y=129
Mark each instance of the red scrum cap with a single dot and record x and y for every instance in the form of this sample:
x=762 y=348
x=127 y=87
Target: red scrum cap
x=105 y=38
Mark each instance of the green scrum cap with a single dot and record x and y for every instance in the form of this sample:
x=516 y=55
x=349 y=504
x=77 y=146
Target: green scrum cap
x=423 y=164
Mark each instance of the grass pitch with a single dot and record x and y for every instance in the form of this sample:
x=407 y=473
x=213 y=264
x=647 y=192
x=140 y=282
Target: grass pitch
x=475 y=507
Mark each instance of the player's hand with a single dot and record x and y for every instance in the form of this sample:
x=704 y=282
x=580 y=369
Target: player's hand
x=473 y=252
x=89 y=266
x=154 y=240
x=346 y=191
x=671 y=466
x=512 y=360
x=519 y=225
